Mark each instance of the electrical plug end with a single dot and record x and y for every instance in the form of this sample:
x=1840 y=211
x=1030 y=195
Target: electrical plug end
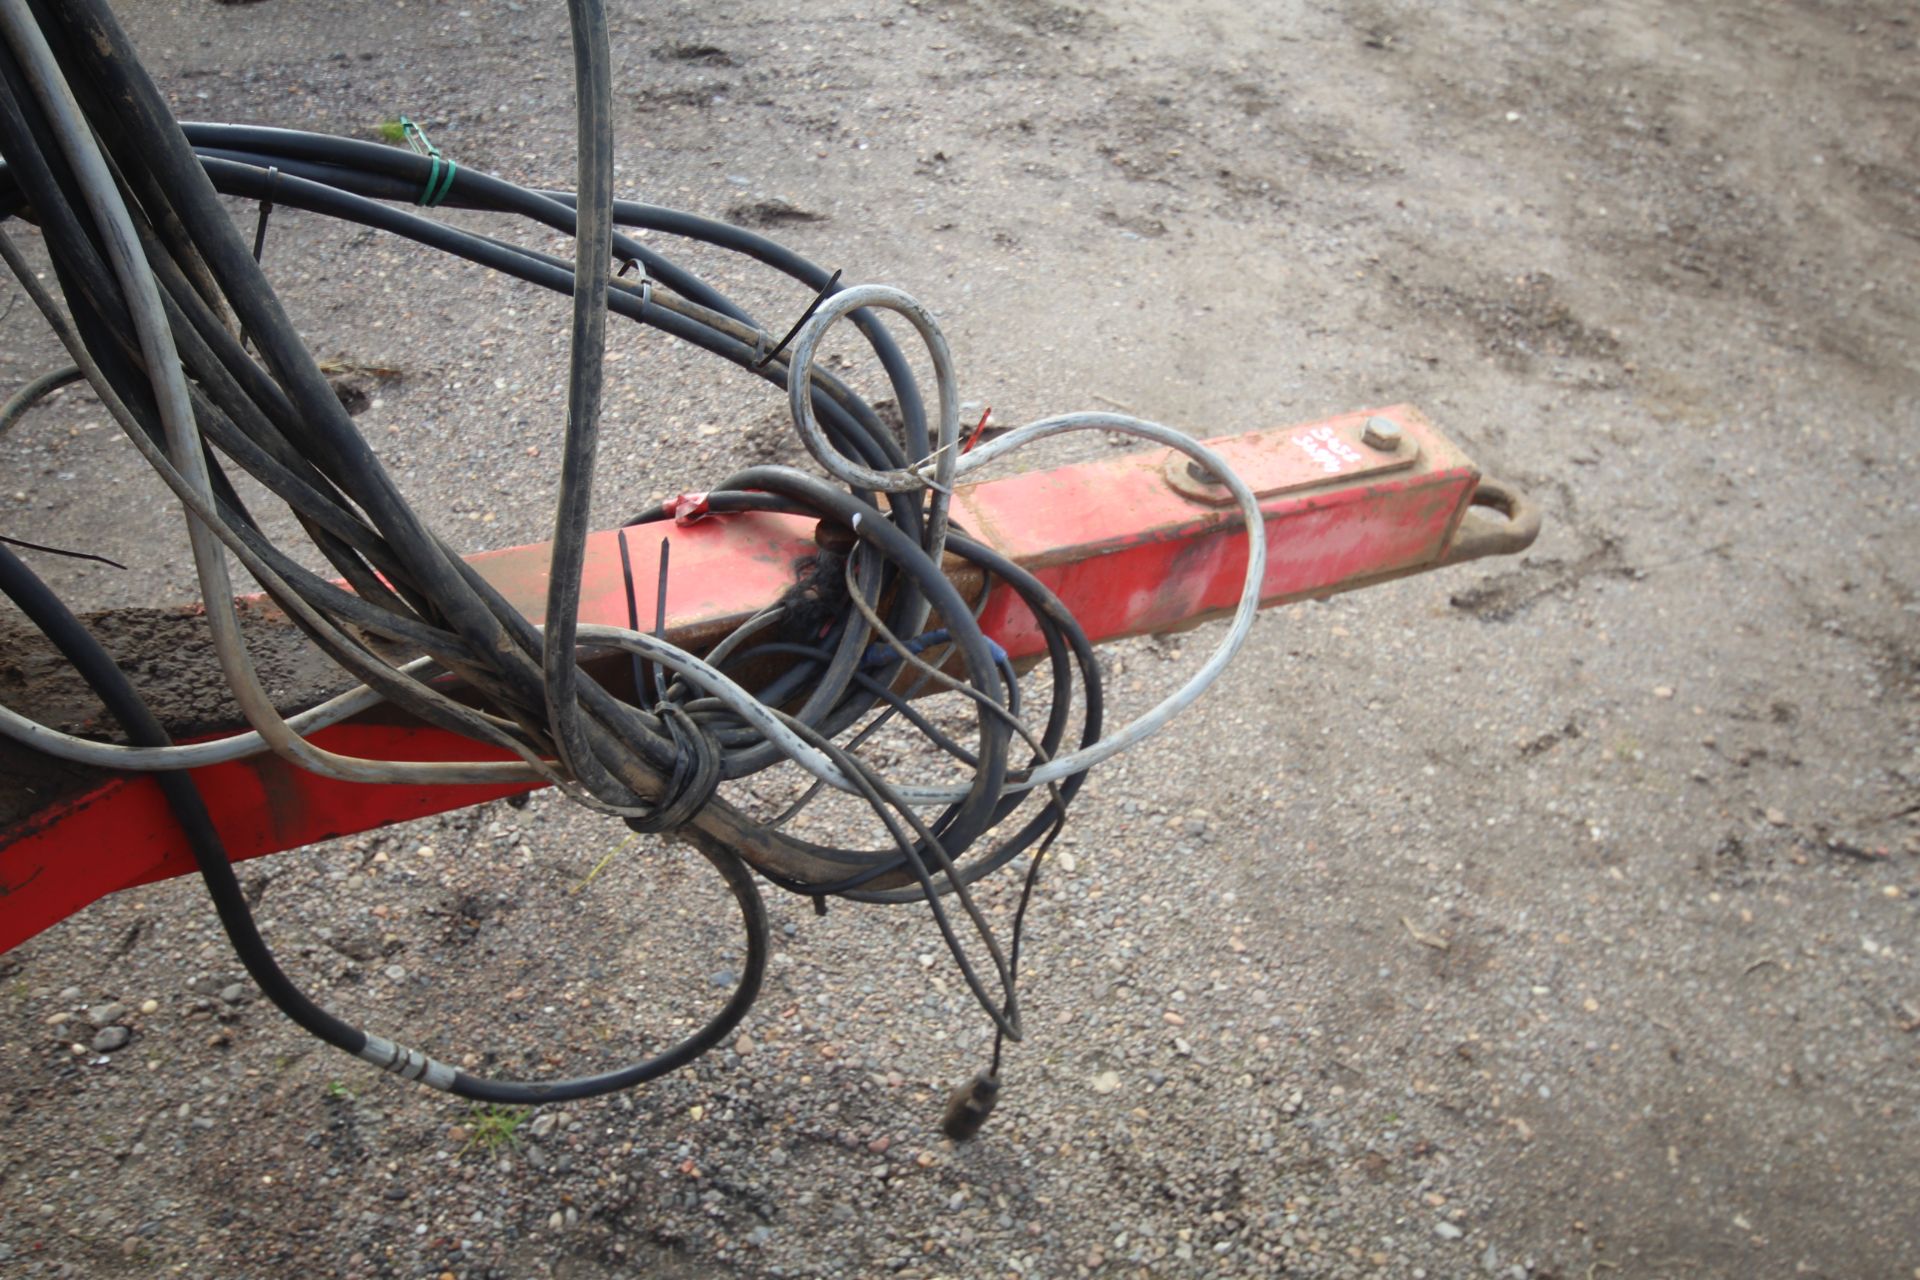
x=969 y=1106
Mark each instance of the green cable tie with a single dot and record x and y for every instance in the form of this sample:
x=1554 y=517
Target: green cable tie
x=440 y=176
x=446 y=185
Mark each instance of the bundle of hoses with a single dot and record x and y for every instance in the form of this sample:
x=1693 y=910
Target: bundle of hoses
x=165 y=310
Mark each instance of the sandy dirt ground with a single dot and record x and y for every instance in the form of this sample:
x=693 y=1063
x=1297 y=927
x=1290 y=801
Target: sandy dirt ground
x=1551 y=917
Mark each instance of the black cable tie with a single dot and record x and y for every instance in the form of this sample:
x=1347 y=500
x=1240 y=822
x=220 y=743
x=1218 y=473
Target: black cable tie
x=60 y=551
x=638 y=663
x=819 y=904
x=266 y=211
x=825 y=290
x=660 y=617
x=260 y=229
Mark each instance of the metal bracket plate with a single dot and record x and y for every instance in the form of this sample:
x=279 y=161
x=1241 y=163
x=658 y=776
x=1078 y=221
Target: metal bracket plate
x=1334 y=451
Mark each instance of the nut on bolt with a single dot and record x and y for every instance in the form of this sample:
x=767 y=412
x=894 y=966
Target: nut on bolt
x=1382 y=434
x=1199 y=471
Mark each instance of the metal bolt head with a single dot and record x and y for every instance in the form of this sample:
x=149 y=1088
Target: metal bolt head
x=1382 y=434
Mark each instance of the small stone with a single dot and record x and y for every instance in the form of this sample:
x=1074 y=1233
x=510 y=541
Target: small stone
x=558 y=1222
x=398 y=1191
x=111 y=1038
x=743 y=1044
x=721 y=977
x=1663 y=691
x=1106 y=1082
x=1447 y=1231
x=149 y=1006
x=234 y=993
x=105 y=1015
x=1777 y=817
x=543 y=1125
x=397 y=972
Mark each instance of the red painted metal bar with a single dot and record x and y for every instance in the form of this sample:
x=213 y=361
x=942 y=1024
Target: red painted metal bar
x=1132 y=545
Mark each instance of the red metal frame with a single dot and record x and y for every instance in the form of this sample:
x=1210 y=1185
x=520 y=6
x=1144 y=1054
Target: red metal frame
x=1132 y=545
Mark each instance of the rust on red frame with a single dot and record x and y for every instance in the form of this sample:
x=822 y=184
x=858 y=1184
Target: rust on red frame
x=1132 y=545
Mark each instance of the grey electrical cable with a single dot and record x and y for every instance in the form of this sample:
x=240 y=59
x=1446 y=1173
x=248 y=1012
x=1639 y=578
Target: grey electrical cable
x=749 y=708
x=531 y=769
x=949 y=465
x=182 y=388
x=36 y=391
x=155 y=337
x=108 y=755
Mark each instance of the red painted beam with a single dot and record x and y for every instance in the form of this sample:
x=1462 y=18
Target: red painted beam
x=1132 y=545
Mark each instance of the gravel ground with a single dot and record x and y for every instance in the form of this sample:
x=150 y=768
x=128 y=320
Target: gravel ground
x=1552 y=917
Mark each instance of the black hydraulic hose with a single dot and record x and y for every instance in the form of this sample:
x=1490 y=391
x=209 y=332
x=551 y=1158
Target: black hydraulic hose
x=396 y=175
x=1058 y=621
x=392 y=174
x=78 y=645
x=593 y=238
x=275 y=417
x=109 y=57
x=76 y=258
x=93 y=663
x=742 y=355
x=852 y=426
